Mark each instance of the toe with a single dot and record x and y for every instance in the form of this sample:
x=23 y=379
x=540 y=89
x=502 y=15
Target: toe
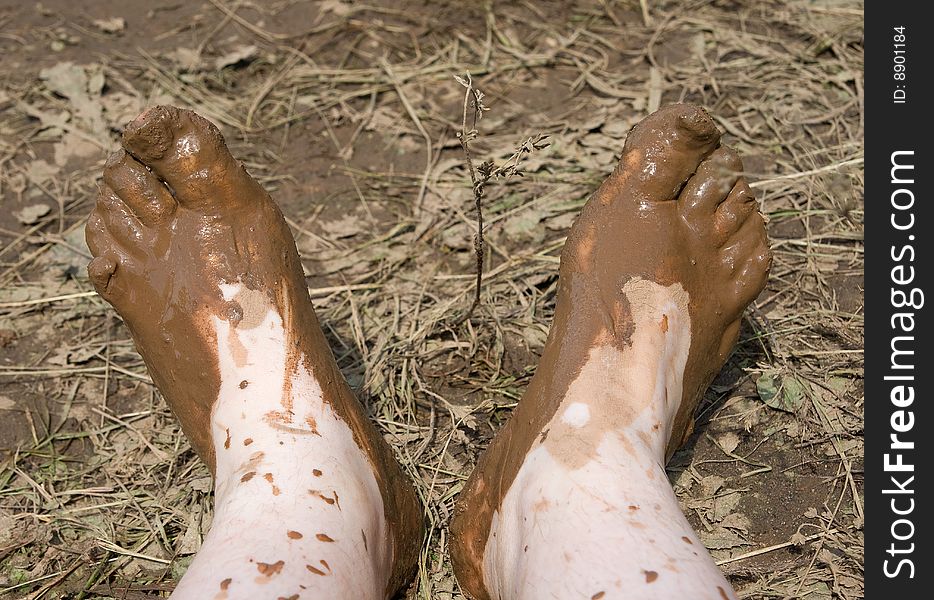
x=747 y=259
x=738 y=208
x=753 y=273
x=187 y=152
x=139 y=189
x=100 y=271
x=119 y=221
x=711 y=184
x=665 y=149
x=95 y=234
x=743 y=243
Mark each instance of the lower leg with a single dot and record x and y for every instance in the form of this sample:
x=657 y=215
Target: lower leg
x=298 y=512
x=591 y=511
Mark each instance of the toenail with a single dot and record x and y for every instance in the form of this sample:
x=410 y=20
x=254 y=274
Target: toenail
x=699 y=124
x=149 y=133
x=143 y=115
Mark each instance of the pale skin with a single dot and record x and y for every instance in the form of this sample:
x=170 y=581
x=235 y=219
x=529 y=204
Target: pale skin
x=573 y=521
x=302 y=504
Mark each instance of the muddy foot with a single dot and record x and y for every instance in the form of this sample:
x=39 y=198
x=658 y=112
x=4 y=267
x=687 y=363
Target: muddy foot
x=199 y=262
x=571 y=498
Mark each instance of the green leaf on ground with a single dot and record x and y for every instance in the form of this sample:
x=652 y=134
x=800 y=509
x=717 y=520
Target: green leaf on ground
x=782 y=392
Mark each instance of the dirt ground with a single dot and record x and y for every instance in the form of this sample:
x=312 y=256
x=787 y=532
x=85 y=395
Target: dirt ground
x=348 y=113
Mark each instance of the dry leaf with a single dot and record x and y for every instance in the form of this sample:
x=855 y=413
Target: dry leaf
x=724 y=505
x=187 y=59
x=190 y=541
x=82 y=86
x=120 y=108
x=49 y=120
x=720 y=538
x=710 y=484
x=70 y=258
x=337 y=7
x=242 y=54
x=73 y=145
x=347 y=226
x=684 y=480
x=728 y=442
x=736 y=521
x=202 y=484
x=527 y=225
x=31 y=214
x=111 y=25
x=618 y=129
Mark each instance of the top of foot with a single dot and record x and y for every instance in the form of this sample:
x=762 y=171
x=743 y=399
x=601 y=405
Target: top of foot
x=184 y=238
x=676 y=214
x=676 y=211
x=177 y=217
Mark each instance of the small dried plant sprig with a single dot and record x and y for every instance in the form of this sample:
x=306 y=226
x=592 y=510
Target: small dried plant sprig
x=485 y=171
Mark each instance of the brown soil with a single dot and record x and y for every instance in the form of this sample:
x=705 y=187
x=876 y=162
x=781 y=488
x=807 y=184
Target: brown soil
x=333 y=106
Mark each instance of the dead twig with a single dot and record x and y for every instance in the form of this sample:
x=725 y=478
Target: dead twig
x=484 y=172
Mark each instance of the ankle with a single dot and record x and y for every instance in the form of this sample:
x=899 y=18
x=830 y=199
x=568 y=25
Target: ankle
x=303 y=513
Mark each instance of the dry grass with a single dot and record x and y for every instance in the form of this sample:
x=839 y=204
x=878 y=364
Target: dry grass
x=351 y=120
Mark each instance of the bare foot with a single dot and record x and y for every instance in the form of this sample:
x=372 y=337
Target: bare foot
x=199 y=262
x=571 y=499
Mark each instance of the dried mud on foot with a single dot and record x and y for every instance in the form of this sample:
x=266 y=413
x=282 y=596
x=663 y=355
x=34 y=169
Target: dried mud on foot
x=348 y=113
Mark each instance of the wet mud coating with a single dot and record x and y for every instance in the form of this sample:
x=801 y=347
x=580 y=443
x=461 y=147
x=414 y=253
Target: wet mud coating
x=674 y=223
x=177 y=219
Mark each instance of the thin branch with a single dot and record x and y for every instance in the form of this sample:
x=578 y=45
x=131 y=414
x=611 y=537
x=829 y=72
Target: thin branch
x=482 y=174
x=477 y=185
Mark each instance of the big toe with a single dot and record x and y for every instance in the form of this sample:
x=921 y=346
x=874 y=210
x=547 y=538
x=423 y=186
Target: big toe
x=665 y=149
x=188 y=153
